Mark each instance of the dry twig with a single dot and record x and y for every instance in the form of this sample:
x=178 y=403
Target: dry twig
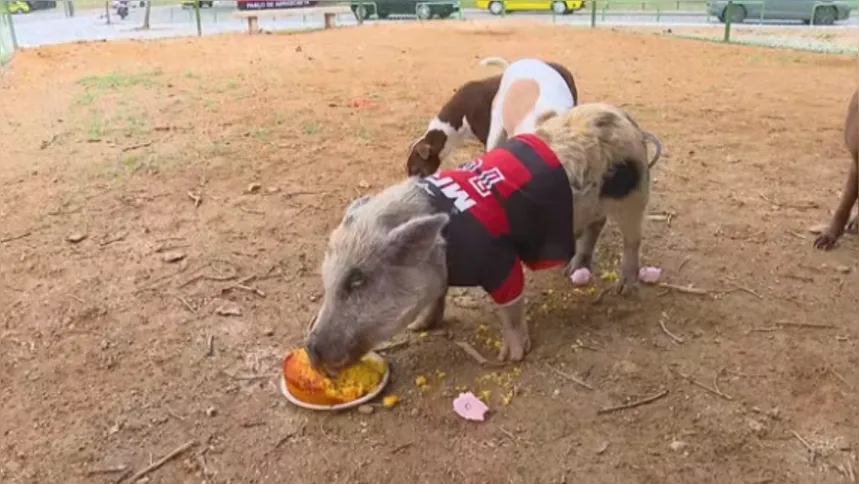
x=297 y=432
x=682 y=264
x=807 y=445
x=634 y=404
x=671 y=335
x=197 y=199
x=400 y=448
x=134 y=147
x=714 y=391
x=15 y=237
x=160 y=462
x=684 y=289
x=210 y=346
x=746 y=290
x=784 y=205
x=806 y=325
x=476 y=356
x=186 y=304
x=509 y=435
x=572 y=378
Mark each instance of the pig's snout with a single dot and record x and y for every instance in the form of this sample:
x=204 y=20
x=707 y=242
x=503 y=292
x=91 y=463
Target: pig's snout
x=317 y=361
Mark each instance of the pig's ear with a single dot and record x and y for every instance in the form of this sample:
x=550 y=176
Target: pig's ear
x=355 y=205
x=410 y=242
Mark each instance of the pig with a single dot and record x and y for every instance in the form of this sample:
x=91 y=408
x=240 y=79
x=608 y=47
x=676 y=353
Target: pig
x=836 y=228
x=540 y=199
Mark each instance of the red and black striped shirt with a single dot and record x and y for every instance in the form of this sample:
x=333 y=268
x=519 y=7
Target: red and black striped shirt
x=510 y=206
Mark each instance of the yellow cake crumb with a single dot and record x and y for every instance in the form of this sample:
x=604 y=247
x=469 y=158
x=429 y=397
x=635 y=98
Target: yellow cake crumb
x=421 y=381
x=390 y=401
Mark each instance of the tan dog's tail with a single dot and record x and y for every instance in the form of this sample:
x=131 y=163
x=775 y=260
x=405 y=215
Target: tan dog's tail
x=657 y=144
x=495 y=61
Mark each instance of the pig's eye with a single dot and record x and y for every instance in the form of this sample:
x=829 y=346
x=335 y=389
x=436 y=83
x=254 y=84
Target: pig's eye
x=355 y=280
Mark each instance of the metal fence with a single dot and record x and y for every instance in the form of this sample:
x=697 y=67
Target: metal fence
x=7 y=33
x=714 y=20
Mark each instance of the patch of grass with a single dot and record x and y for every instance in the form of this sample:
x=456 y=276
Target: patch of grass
x=94 y=129
x=117 y=80
x=189 y=75
x=136 y=124
x=95 y=86
x=261 y=133
x=310 y=128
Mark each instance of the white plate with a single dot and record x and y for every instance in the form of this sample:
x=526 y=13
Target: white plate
x=340 y=406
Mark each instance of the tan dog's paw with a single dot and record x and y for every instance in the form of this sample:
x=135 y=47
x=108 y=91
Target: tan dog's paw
x=853 y=226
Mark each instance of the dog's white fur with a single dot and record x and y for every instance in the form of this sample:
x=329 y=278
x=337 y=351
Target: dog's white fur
x=555 y=95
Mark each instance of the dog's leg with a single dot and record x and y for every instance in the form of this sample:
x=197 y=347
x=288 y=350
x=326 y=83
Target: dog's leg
x=827 y=239
x=853 y=225
x=585 y=246
x=431 y=316
x=496 y=135
x=514 y=330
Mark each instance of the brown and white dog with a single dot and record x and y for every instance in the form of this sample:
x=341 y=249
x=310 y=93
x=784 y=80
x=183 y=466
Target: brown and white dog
x=470 y=113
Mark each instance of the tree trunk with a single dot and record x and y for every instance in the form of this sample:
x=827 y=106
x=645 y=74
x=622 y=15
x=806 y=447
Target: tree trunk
x=146 y=15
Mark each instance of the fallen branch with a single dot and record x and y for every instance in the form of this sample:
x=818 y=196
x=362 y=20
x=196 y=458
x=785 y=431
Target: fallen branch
x=806 y=325
x=684 y=289
x=475 y=355
x=134 y=147
x=746 y=290
x=572 y=378
x=671 y=335
x=806 y=444
x=807 y=206
x=196 y=198
x=298 y=431
x=637 y=403
x=15 y=237
x=186 y=304
x=160 y=462
x=714 y=391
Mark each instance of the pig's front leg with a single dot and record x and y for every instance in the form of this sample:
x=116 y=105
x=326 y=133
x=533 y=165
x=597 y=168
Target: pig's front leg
x=431 y=315
x=585 y=246
x=514 y=330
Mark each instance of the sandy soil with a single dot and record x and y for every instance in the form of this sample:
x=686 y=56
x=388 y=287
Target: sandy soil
x=113 y=277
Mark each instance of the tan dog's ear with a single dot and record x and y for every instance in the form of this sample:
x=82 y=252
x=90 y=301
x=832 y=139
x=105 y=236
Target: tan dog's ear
x=542 y=118
x=423 y=150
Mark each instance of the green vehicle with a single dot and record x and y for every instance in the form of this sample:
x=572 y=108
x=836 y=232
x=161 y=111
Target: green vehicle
x=417 y=8
x=827 y=12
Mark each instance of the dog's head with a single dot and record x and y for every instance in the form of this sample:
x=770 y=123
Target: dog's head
x=425 y=154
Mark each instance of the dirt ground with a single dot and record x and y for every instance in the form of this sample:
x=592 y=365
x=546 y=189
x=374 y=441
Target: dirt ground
x=114 y=350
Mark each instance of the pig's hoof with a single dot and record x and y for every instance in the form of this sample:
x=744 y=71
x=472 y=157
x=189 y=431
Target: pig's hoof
x=825 y=241
x=853 y=226
x=515 y=348
x=422 y=324
x=576 y=263
x=626 y=286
